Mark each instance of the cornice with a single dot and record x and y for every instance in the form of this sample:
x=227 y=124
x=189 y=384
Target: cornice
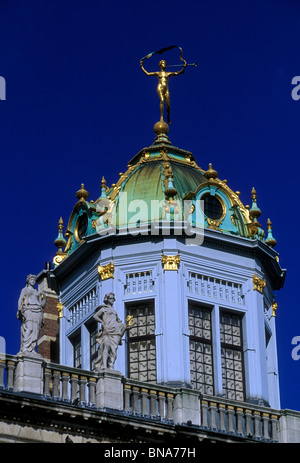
x=212 y=238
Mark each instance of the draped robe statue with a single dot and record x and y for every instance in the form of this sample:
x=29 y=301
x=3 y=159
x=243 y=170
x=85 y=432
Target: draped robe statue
x=110 y=334
x=30 y=313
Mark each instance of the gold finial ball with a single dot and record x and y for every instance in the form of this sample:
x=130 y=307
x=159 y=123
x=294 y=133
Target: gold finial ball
x=161 y=127
x=82 y=194
x=210 y=173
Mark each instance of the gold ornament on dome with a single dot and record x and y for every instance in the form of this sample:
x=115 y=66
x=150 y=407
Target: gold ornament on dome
x=213 y=224
x=106 y=271
x=258 y=283
x=82 y=194
x=170 y=262
x=211 y=174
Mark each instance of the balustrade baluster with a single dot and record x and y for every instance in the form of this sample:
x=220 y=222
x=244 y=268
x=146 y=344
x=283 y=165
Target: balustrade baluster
x=144 y=401
x=74 y=386
x=204 y=408
x=56 y=384
x=213 y=413
x=274 y=427
x=239 y=419
x=152 y=403
x=64 y=386
x=92 y=391
x=47 y=377
x=10 y=375
x=82 y=390
x=257 y=433
x=222 y=427
x=230 y=414
x=135 y=399
x=265 y=418
x=2 y=368
x=161 y=403
x=170 y=402
x=248 y=425
x=127 y=393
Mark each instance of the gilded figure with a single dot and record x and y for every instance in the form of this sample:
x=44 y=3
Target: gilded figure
x=163 y=85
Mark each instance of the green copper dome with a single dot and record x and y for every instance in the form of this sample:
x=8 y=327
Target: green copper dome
x=161 y=183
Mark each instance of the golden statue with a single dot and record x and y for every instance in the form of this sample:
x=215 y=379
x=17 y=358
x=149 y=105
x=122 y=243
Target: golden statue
x=163 y=78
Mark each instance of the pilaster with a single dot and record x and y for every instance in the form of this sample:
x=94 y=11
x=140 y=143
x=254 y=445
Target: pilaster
x=254 y=346
x=175 y=367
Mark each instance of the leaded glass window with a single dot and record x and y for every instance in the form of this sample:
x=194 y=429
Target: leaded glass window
x=77 y=351
x=201 y=360
x=232 y=356
x=93 y=346
x=212 y=206
x=141 y=343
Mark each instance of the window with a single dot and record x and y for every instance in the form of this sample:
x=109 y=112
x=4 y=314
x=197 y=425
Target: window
x=212 y=206
x=77 y=351
x=93 y=345
x=201 y=360
x=141 y=342
x=232 y=356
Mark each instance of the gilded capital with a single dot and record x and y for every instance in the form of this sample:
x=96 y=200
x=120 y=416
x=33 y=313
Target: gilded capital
x=274 y=308
x=59 y=307
x=170 y=262
x=258 y=283
x=106 y=271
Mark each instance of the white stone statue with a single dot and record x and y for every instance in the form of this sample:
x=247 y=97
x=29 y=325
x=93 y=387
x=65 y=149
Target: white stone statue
x=30 y=312
x=110 y=334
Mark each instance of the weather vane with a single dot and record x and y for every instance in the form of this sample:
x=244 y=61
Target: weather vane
x=163 y=78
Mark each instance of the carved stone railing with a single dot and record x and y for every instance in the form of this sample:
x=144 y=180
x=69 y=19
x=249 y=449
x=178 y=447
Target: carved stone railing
x=70 y=384
x=183 y=406
x=239 y=418
x=110 y=389
x=147 y=400
x=7 y=368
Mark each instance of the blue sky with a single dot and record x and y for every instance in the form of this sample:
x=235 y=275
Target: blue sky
x=78 y=107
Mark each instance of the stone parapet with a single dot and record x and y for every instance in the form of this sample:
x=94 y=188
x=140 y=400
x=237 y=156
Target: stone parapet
x=108 y=390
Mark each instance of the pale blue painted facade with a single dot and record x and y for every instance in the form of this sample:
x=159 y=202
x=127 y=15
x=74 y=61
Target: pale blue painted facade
x=214 y=278
x=227 y=285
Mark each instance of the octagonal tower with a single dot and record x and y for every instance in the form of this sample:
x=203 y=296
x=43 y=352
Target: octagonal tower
x=189 y=262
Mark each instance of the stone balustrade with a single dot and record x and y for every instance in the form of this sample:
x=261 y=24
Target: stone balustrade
x=70 y=384
x=109 y=389
x=239 y=418
x=152 y=401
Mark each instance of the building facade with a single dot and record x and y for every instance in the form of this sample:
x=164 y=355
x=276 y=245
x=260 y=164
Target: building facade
x=196 y=275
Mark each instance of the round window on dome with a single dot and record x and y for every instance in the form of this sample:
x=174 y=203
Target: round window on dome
x=213 y=208
x=81 y=227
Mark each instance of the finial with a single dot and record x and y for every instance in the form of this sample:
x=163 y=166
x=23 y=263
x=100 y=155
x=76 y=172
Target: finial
x=270 y=239
x=82 y=194
x=170 y=191
x=211 y=174
x=60 y=241
x=254 y=212
x=161 y=130
x=103 y=188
